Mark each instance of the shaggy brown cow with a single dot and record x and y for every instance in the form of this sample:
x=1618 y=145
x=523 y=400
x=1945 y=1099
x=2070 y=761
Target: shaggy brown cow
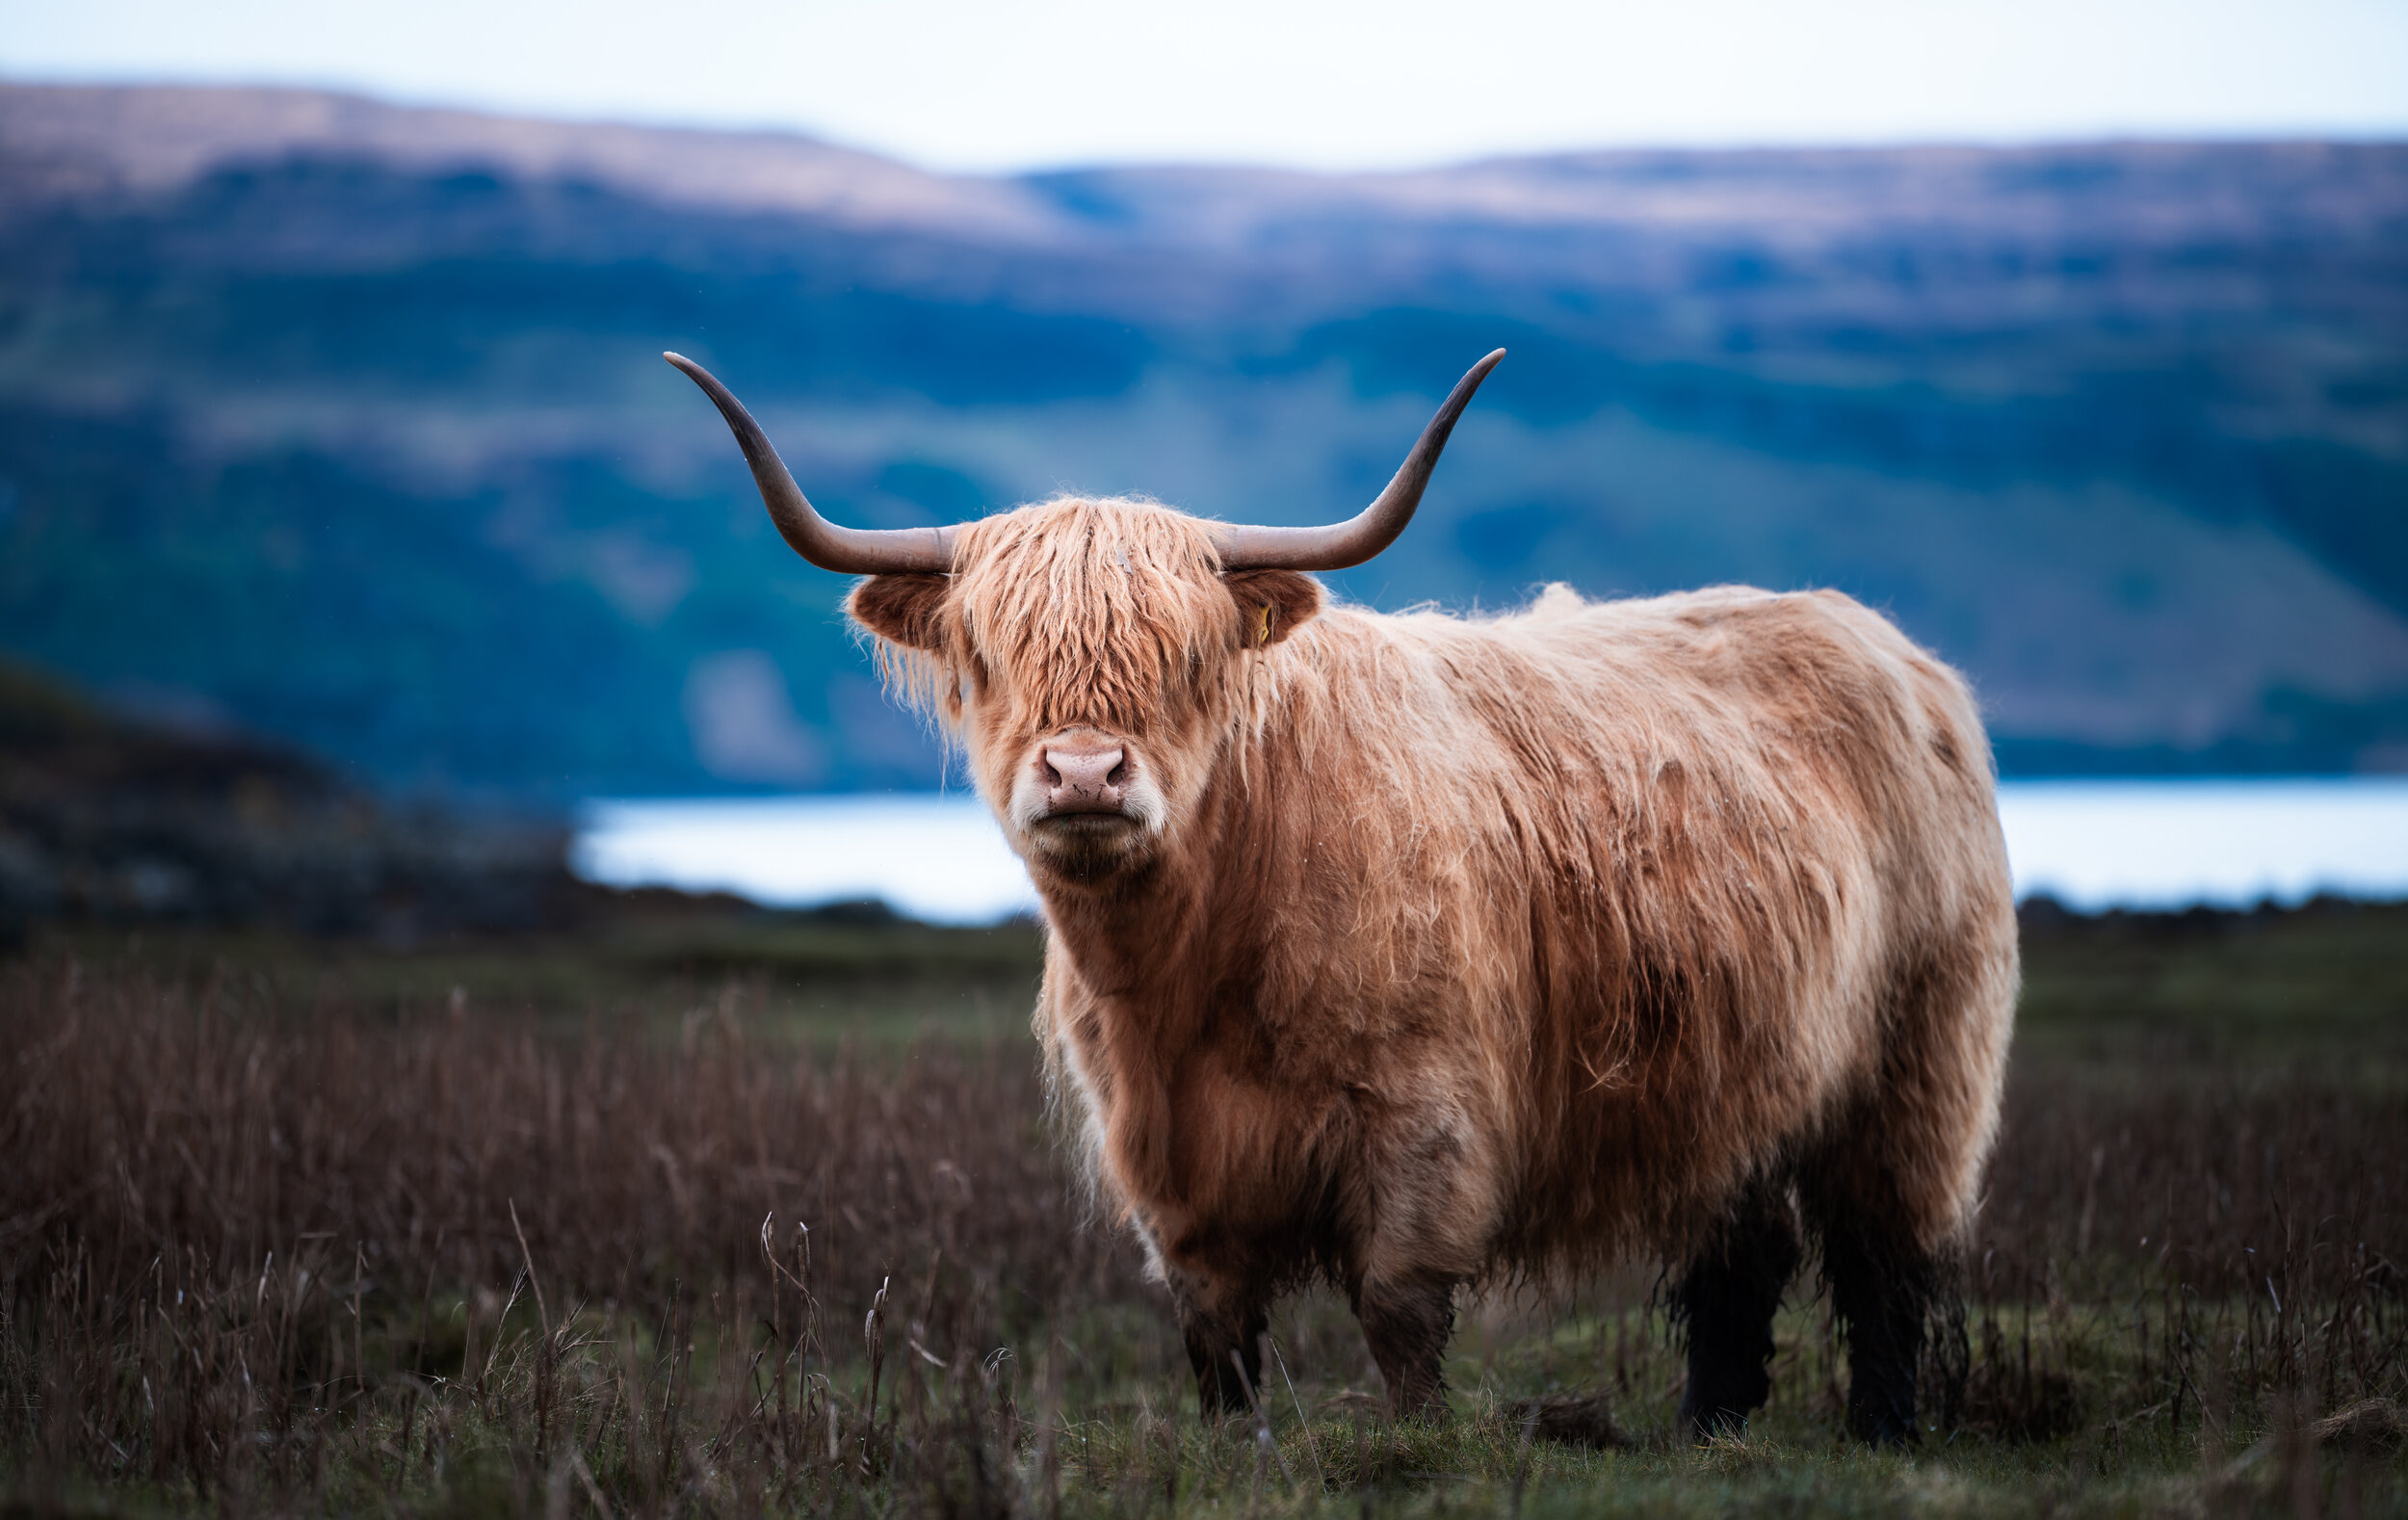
x=1416 y=949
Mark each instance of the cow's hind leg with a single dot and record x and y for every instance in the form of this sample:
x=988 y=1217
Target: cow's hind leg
x=1726 y=1300
x=1883 y=1290
x=1222 y=1320
x=1887 y=1284
x=1407 y=1323
x=1892 y=1189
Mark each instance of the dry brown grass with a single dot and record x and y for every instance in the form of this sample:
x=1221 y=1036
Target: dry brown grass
x=235 y=1235
x=267 y=1252
x=2231 y=1237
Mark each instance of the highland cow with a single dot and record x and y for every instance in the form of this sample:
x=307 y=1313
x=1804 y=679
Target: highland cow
x=1413 y=951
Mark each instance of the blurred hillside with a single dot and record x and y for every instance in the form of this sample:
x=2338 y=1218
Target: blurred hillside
x=347 y=422
x=104 y=821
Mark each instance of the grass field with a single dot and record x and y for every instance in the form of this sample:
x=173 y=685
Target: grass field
x=715 y=1213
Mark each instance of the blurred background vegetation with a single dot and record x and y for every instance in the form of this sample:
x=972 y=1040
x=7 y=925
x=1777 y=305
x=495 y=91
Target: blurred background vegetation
x=345 y=424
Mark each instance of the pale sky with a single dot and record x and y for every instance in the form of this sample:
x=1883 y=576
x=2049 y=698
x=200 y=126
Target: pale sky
x=959 y=83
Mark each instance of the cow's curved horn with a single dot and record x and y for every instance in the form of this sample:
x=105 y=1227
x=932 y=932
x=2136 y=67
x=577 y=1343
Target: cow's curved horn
x=851 y=551
x=1338 y=545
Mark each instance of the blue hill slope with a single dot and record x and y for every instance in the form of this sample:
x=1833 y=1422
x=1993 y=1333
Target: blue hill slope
x=347 y=422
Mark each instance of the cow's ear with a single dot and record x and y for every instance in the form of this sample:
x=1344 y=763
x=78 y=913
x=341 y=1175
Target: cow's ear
x=1272 y=604
x=900 y=608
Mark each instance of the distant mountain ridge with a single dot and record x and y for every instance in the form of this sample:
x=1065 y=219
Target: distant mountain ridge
x=346 y=419
x=82 y=140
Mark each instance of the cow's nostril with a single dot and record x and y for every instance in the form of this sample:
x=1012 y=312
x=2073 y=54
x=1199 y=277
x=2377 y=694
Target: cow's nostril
x=1083 y=779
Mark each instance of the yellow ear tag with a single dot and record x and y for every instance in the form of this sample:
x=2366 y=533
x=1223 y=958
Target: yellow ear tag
x=1261 y=630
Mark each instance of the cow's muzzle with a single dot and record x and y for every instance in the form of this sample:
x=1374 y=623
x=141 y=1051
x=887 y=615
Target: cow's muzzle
x=1083 y=776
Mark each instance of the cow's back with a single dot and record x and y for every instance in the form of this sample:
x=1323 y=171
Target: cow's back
x=1696 y=869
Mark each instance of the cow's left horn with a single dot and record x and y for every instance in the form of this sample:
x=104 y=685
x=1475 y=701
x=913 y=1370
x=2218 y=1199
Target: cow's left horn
x=1338 y=545
x=851 y=551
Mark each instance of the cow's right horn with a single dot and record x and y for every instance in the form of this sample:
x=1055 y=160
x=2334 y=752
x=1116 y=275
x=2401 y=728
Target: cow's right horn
x=1339 y=545
x=850 y=551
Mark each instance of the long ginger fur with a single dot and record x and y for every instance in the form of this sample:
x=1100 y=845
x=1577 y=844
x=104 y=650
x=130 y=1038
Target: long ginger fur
x=1482 y=945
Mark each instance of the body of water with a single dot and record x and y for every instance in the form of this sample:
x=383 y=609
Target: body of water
x=2090 y=844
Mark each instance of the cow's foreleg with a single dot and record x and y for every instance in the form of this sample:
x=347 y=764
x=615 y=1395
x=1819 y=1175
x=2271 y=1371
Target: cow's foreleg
x=1222 y=1320
x=1407 y=1323
x=1726 y=1300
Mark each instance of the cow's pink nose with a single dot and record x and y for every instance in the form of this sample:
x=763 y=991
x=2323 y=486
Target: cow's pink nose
x=1083 y=779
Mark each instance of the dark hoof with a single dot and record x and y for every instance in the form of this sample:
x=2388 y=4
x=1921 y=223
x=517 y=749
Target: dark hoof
x=1430 y=1410
x=1885 y=1435
x=1707 y=1427
x=1570 y=1420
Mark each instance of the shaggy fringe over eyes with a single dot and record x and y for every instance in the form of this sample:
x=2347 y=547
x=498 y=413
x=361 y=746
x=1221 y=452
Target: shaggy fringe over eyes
x=1099 y=611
